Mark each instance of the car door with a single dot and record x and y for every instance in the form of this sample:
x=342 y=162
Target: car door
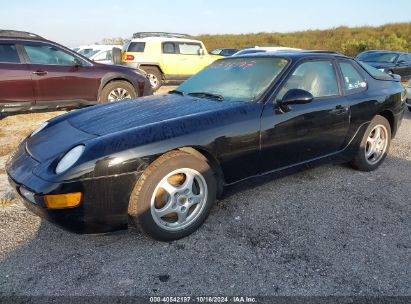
x=306 y=131
x=16 y=85
x=401 y=66
x=172 y=61
x=60 y=76
x=192 y=57
x=406 y=66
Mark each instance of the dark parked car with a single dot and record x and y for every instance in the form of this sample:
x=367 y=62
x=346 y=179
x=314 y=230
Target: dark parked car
x=224 y=52
x=389 y=62
x=37 y=74
x=163 y=162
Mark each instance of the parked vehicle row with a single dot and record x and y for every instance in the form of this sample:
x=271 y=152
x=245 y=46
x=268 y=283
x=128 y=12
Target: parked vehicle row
x=163 y=161
x=409 y=95
x=167 y=58
x=38 y=74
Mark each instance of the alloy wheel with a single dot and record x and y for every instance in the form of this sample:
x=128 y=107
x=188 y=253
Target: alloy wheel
x=118 y=94
x=179 y=199
x=376 y=144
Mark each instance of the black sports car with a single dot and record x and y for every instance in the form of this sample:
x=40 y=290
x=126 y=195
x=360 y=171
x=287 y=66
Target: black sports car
x=163 y=160
x=389 y=62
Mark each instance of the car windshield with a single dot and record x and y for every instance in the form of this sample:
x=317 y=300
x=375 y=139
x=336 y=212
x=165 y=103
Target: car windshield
x=378 y=57
x=234 y=79
x=88 y=52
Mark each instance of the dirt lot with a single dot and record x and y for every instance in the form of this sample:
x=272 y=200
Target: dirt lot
x=326 y=231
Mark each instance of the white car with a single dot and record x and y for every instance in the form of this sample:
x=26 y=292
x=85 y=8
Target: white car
x=98 y=52
x=263 y=49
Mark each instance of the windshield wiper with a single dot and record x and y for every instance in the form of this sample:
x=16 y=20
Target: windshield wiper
x=176 y=92
x=207 y=95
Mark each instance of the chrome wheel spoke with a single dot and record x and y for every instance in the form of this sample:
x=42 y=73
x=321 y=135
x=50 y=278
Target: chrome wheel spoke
x=167 y=209
x=172 y=190
x=182 y=216
x=188 y=183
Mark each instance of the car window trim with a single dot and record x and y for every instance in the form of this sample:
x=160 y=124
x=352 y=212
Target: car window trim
x=295 y=66
x=356 y=91
x=74 y=54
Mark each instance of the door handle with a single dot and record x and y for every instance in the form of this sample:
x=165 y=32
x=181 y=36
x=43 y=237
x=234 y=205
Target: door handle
x=40 y=73
x=339 y=110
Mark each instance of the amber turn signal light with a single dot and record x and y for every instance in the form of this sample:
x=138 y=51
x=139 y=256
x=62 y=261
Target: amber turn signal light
x=67 y=200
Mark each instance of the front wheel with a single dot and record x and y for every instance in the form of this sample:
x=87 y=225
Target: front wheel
x=374 y=145
x=117 y=90
x=155 y=77
x=173 y=196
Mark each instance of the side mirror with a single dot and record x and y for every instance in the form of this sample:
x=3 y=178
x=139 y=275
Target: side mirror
x=401 y=62
x=296 y=96
x=201 y=52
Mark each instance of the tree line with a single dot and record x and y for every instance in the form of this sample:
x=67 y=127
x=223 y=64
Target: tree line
x=349 y=41
x=346 y=40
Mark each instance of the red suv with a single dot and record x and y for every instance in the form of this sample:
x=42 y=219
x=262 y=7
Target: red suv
x=38 y=74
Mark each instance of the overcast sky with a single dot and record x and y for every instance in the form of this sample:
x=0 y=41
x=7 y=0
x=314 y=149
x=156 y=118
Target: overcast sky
x=77 y=22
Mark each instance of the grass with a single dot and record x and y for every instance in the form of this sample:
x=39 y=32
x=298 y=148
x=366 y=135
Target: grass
x=8 y=199
x=14 y=128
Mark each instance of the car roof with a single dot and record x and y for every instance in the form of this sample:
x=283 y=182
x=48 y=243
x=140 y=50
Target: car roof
x=384 y=51
x=269 y=48
x=163 y=39
x=296 y=54
x=98 y=46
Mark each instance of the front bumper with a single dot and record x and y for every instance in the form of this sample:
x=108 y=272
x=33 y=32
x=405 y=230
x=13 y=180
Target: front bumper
x=103 y=207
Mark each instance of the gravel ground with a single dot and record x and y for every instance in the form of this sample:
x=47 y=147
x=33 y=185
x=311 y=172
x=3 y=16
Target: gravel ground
x=326 y=231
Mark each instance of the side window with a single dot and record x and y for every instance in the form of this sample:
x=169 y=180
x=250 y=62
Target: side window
x=408 y=58
x=189 y=48
x=137 y=47
x=8 y=54
x=402 y=58
x=169 y=48
x=316 y=77
x=47 y=54
x=353 y=81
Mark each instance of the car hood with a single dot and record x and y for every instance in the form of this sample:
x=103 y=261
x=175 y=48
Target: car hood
x=162 y=115
x=120 y=116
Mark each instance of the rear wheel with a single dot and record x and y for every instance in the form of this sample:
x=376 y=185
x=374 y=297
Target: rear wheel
x=117 y=90
x=374 y=145
x=155 y=76
x=173 y=196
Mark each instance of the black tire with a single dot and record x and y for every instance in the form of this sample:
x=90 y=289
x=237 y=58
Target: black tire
x=143 y=200
x=409 y=109
x=154 y=76
x=116 y=57
x=361 y=161
x=117 y=86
